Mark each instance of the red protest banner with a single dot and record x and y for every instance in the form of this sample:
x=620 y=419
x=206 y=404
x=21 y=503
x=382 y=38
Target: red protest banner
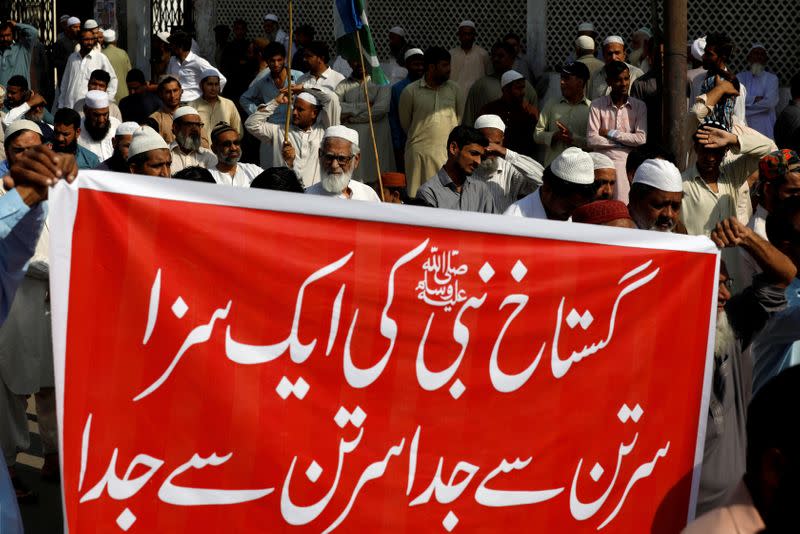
x=229 y=362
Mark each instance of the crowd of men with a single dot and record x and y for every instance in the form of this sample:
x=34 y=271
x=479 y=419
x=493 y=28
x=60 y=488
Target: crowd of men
x=463 y=129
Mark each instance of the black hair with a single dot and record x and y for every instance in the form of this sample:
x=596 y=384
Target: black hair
x=101 y=76
x=512 y=35
x=194 y=174
x=306 y=29
x=466 y=135
x=614 y=69
x=67 y=117
x=278 y=179
x=506 y=47
x=182 y=40
x=165 y=80
x=274 y=49
x=319 y=48
x=18 y=81
x=795 y=85
x=435 y=54
x=781 y=224
x=722 y=44
x=638 y=155
x=6 y=25
x=135 y=76
x=563 y=188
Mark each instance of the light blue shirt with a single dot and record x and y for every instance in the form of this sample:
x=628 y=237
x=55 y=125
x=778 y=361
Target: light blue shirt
x=16 y=59
x=776 y=348
x=261 y=92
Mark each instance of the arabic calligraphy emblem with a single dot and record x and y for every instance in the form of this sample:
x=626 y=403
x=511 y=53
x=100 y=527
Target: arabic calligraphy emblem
x=439 y=285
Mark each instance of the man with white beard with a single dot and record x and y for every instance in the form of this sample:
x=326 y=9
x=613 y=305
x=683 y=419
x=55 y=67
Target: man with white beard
x=187 y=149
x=739 y=320
x=339 y=156
x=656 y=195
x=509 y=175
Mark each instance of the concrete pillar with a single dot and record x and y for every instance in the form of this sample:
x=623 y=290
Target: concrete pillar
x=537 y=35
x=205 y=13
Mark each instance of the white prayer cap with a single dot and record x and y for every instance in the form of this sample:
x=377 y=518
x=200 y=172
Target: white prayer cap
x=72 y=21
x=510 y=76
x=271 y=16
x=584 y=42
x=208 y=73
x=96 y=100
x=62 y=18
x=466 y=24
x=90 y=24
x=127 y=128
x=490 y=121
x=575 y=166
x=109 y=36
x=413 y=52
x=644 y=31
x=183 y=111
x=699 y=48
x=164 y=36
x=342 y=132
x=397 y=30
x=308 y=97
x=22 y=124
x=601 y=161
x=757 y=46
x=661 y=174
x=586 y=27
x=144 y=140
x=613 y=39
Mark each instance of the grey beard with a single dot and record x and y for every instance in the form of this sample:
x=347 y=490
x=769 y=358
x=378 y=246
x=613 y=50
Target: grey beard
x=229 y=161
x=188 y=142
x=725 y=337
x=487 y=168
x=335 y=183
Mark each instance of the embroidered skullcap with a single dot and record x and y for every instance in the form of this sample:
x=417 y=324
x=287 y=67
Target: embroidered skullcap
x=660 y=174
x=699 y=48
x=144 y=140
x=584 y=42
x=308 y=97
x=601 y=161
x=711 y=123
x=413 y=52
x=342 y=132
x=109 y=36
x=490 y=121
x=601 y=212
x=220 y=128
x=510 y=76
x=90 y=24
x=22 y=124
x=613 y=39
x=574 y=166
x=96 y=99
x=778 y=164
x=393 y=179
x=183 y=111
x=127 y=128
x=576 y=68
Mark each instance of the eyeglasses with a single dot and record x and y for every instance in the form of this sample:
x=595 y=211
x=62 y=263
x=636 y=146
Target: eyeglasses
x=728 y=283
x=228 y=144
x=342 y=160
x=192 y=124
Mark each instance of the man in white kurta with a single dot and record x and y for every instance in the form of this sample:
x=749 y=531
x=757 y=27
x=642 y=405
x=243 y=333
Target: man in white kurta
x=762 y=92
x=300 y=151
x=80 y=65
x=339 y=156
x=355 y=115
x=187 y=150
x=214 y=108
x=470 y=62
x=188 y=67
x=226 y=144
x=98 y=128
x=317 y=55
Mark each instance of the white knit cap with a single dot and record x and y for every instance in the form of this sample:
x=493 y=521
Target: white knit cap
x=96 y=99
x=342 y=132
x=613 y=39
x=586 y=27
x=208 y=73
x=308 y=97
x=22 y=124
x=510 y=76
x=757 y=46
x=109 y=36
x=164 y=36
x=490 y=121
x=413 y=52
x=271 y=16
x=575 y=166
x=183 y=111
x=397 y=30
x=72 y=21
x=467 y=24
x=584 y=42
x=127 y=128
x=144 y=140
x=699 y=48
x=644 y=31
x=661 y=174
x=90 y=24
x=601 y=161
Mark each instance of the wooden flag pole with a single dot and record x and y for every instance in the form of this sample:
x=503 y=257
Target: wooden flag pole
x=289 y=76
x=369 y=115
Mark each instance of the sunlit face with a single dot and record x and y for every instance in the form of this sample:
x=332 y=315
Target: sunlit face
x=614 y=52
x=605 y=179
x=621 y=84
x=468 y=158
x=210 y=87
x=24 y=141
x=657 y=210
x=276 y=64
x=158 y=163
x=171 y=94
